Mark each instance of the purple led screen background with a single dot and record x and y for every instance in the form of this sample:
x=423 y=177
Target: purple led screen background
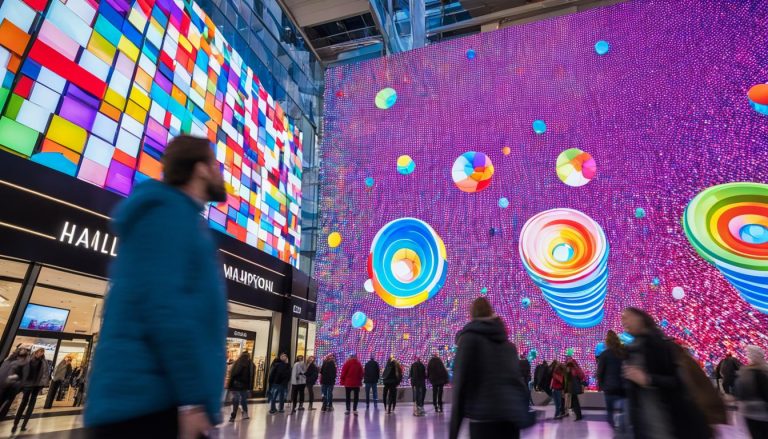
x=664 y=114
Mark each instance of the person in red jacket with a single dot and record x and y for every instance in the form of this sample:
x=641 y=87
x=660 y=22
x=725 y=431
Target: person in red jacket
x=352 y=379
x=558 y=385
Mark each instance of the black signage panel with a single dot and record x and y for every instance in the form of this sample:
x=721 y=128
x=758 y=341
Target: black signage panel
x=241 y=333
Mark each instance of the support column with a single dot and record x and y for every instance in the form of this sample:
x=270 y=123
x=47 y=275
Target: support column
x=418 y=23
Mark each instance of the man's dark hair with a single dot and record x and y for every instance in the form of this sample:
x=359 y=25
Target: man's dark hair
x=181 y=155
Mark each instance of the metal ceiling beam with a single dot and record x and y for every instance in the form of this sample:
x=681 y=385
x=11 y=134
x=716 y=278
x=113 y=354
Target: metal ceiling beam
x=287 y=11
x=519 y=12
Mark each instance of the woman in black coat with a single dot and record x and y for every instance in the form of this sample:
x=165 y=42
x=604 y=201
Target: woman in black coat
x=392 y=377
x=241 y=377
x=328 y=381
x=311 y=375
x=487 y=385
x=609 y=369
x=437 y=375
x=661 y=406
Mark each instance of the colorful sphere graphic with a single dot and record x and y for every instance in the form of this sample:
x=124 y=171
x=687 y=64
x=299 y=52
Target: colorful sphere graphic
x=408 y=263
x=471 y=54
x=386 y=98
x=602 y=47
x=526 y=302
x=358 y=319
x=334 y=240
x=727 y=225
x=503 y=202
x=506 y=150
x=368 y=326
x=539 y=126
x=758 y=98
x=678 y=293
x=565 y=252
x=575 y=167
x=369 y=181
x=639 y=213
x=405 y=164
x=472 y=171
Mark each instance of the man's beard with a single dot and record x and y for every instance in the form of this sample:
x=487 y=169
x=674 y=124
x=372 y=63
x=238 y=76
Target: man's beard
x=216 y=192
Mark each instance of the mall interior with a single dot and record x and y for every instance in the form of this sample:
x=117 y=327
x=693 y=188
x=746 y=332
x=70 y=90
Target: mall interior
x=388 y=165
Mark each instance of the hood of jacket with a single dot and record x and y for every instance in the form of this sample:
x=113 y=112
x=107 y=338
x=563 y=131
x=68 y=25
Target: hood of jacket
x=491 y=328
x=144 y=197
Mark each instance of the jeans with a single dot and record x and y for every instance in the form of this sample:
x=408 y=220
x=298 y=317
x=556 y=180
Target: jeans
x=419 y=392
x=612 y=402
x=437 y=396
x=368 y=388
x=297 y=392
x=239 y=398
x=279 y=393
x=350 y=391
x=390 y=396
x=27 y=402
x=52 y=391
x=327 y=391
x=557 y=395
x=575 y=405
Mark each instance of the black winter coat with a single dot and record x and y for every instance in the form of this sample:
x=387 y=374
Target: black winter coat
x=487 y=383
x=436 y=372
x=418 y=374
x=685 y=420
x=241 y=375
x=525 y=370
x=392 y=374
x=311 y=374
x=372 y=372
x=328 y=373
x=541 y=377
x=609 y=372
x=281 y=373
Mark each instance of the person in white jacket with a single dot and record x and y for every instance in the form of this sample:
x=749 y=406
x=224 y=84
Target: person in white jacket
x=298 y=382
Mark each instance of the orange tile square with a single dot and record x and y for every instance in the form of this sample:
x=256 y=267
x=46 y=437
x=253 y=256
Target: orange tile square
x=124 y=158
x=51 y=146
x=149 y=166
x=110 y=111
x=14 y=63
x=12 y=37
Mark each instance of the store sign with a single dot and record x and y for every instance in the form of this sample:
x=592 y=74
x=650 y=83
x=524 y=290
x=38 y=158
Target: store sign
x=241 y=334
x=91 y=239
x=248 y=279
x=296 y=309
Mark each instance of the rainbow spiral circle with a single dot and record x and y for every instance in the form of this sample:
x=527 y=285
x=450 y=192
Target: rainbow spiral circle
x=565 y=252
x=727 y=225
x=408 y=263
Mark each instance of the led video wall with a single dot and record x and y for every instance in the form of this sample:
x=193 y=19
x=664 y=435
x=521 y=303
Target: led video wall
x=95 y=89
x=565 y=169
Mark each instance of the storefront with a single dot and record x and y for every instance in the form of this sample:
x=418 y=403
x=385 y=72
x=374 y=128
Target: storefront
x=55 y=250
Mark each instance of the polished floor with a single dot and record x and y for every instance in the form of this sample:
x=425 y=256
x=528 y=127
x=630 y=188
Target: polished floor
x=367 y=425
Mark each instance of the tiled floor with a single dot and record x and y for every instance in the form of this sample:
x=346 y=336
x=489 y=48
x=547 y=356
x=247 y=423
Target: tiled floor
x=368 y=425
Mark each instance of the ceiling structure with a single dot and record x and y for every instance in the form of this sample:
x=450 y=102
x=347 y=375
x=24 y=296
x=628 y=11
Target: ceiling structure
x=343 y=31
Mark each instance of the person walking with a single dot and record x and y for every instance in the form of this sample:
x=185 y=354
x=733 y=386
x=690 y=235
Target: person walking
x=728 y=368
x=311 y=374
x=557 y=385
x=751 y=390
x=609 y=378
x=279 y=380
x=160 y=362
x=392 y=377
x=352 y=379
x=418 y=377
x=35 y=374
x=241 y=380
x=298 y=383
x=525 y=369
x=60 y=375
x=437 y=375
x=371 y=380
x=660 y=404
x=493 y=398
x=10 y=378
x=542 y=378
x=328 y=381
x=575 y=378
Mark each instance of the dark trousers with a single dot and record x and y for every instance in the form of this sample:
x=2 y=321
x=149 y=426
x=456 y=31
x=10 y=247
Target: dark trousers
x=485 y=430
x=390 y=396
x=239 y=399
x=575 y=405
x=758 y=429
x=297 y=391
x=350 y=391
x=310 y=394
x=163 y=424
x=28 y=402
x=6 y=399
x=419 y=393
x=728 y=386
x=611 y=401
x=368 y=388
x=52 y=392
x=437 y=396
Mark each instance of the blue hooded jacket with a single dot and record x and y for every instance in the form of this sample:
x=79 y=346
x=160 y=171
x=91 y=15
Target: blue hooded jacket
x=163 y=337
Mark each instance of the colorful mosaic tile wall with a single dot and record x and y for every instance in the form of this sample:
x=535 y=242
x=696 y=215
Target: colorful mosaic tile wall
x=95 y=89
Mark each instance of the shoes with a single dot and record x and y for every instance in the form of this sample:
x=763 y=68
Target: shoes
x=355 y=412
x=367 y=407
x=272 y=412
x=347 y=412
x=330 y=408
x=301 y=407
x=579 y=418
x=232 y=419
x=23 y=428
x=15 y=427
x=293 y=411
x=245 y=416
x=281 y=411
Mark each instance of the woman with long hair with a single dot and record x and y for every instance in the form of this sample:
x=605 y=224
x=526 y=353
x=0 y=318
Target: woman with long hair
x=392 y=377
x=660 y=403
x=35 y=374
x=609 y=379
x=311 y=375
x=488 y=388
x=241 y=376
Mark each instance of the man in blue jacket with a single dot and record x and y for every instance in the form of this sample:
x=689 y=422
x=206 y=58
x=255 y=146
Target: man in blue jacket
x=159 y=364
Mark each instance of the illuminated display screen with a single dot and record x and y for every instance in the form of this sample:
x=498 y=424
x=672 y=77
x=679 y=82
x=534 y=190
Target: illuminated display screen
x=565 y=169
x=96 y=89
